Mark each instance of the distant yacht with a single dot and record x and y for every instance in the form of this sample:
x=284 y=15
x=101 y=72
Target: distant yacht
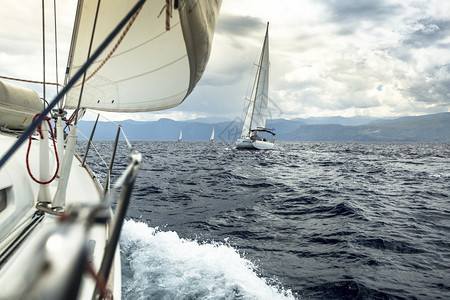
x=255 y=120
x=181 y=136
x=211 y=139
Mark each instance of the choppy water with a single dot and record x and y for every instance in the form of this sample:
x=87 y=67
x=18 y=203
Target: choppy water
x=304 y=221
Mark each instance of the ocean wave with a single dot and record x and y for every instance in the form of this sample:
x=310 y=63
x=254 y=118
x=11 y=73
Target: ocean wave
x=161 y=265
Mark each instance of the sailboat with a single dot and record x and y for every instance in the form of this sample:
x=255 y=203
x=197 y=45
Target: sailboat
x=58 y=233
x=255 y=120
x=180 y=136
x=211 y=139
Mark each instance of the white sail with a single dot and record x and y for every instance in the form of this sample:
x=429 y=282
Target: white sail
x=181 y=136
x=248 y=116
x=257 y=109
x=151 y=68
x=212 y=135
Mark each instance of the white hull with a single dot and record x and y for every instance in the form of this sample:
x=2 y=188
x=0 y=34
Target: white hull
x=28 y=260
x=247 y=143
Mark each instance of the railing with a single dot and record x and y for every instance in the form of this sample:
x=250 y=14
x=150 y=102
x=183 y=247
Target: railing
x=126 y=182
x=54 y=278
x=109 y=167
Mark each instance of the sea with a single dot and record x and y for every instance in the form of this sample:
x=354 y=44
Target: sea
x=302 y=221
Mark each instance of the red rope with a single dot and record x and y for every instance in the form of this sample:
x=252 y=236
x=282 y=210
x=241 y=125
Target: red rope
x=54 y=146
x=30 y=81
x=168 y=7
x=106 y=293
x=70 y=120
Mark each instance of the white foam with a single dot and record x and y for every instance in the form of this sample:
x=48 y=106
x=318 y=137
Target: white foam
x=161 y=265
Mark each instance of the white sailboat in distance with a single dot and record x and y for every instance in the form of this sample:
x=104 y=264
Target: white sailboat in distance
x=254 y=133
x=211 y=139
x=180 y=137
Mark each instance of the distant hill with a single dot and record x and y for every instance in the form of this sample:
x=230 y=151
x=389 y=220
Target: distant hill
x=426 y=128
x=337 y=120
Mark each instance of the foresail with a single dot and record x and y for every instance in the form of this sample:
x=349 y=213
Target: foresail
x=248 y=116
x=147 y=68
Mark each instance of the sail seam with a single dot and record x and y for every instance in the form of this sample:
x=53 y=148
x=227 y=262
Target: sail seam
x=151 y=71
x=122 y=36
x=141 y=44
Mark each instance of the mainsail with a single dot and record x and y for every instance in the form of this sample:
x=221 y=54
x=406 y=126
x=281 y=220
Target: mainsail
x=148 y=67
x=257 y=109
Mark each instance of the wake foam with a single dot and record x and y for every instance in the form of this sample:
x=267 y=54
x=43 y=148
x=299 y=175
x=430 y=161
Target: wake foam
x=161 y=265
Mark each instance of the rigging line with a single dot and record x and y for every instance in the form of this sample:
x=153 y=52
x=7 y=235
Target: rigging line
x=126 y=139
x=88 y=56
x=32 y=127
x=124 y=33
x=246 y=110
x=30 y=81
x=56 y=50
x=43 y=46
x=102 y=116
x=121 y=128
x=258 y=74
x=95 y=149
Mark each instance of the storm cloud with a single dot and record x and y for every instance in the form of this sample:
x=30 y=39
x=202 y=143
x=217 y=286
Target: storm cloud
x=329 y=57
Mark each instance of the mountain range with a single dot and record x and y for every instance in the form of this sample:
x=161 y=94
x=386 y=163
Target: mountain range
x=425 y=128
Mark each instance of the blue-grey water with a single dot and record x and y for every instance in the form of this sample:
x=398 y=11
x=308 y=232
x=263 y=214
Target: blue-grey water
x=303 y=221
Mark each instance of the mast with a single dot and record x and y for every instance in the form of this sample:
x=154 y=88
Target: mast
x=76 y=26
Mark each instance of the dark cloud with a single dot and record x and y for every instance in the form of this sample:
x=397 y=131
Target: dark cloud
x=327 y=56
x=429 y=32
x=432 y=86
x=229 y=75
x=356 y=11
x=239 y=25
x=349 y=13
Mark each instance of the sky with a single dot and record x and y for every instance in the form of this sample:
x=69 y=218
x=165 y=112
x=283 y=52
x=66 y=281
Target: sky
x=382 y=58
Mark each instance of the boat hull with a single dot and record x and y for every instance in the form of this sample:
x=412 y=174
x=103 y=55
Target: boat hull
x=247 y=143
x=33 y=258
